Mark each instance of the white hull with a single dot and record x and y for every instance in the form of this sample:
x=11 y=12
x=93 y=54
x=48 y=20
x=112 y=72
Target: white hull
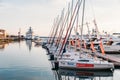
x=75 y=64
x=112 y=48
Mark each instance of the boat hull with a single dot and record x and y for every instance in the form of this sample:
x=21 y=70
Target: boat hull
x=88 y=66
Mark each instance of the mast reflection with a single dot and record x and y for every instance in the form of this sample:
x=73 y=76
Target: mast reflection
x=2 y=46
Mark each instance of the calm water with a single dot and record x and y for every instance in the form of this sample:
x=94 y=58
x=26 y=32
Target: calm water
x=25 y=61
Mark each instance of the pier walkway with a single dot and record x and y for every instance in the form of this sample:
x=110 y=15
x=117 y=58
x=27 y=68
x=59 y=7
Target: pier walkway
x=110 y=58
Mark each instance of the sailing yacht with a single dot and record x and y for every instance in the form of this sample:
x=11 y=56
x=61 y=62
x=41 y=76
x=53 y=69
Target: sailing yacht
x=88 y=63
x=113 y=48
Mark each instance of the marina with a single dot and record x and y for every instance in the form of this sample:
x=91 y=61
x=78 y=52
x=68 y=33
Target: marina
x=27 y=64
x=81 y=42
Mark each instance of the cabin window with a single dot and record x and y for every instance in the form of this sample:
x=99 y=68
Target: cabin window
x=83 y=60
x=118 y=44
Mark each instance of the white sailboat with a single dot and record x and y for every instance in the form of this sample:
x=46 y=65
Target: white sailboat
x=113 y=48
x=85 y=63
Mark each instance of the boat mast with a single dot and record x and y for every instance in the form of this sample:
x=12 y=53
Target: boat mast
x=88 y=30
x=64 y=23
x=52 y=32
x=72 y=20
x=81 y=27
x=82 y=19
x=56 y=30
x=68 y=28
x=61 y=27
x=96 y=29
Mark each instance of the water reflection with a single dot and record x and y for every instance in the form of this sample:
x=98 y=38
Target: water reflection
x=63 y=74
x=16 y=63
x=29 y=44
x=25 y=74
x=3 y=45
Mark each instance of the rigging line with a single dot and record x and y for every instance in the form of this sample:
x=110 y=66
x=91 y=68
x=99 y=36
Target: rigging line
x=76 y=15
x=64 y=41
x=61 y=25
x=57 y=27
x=77 y=23
x=76 y=30
x=67 y=16
x=93 y=12
x=51 y=32
x=82 y=18
x=60 y=32
x=64 y=25
x=83 y=12
x=56 y=22
x=70 y=14
x=72 y=7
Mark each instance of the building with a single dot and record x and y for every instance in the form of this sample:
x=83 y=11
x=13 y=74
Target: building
x=2 y=34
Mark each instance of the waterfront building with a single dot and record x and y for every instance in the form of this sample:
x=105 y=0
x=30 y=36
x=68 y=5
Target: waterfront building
x=2 y=34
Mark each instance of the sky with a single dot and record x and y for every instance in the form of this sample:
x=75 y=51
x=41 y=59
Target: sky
x=40 y=14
